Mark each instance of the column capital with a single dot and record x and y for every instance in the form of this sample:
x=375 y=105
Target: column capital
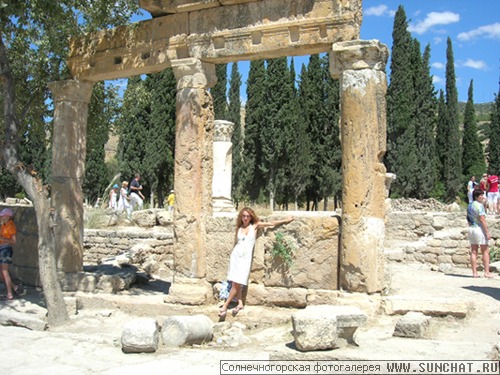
x=194 y=73
x=223 y=130
x=71 y=90
x=357 y=55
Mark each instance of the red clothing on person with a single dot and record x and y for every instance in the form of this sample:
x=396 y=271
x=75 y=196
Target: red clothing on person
x=493 y=181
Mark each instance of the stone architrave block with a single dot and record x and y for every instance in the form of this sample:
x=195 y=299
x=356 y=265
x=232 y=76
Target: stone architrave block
x=187 y=330
x=393 y=305
x=412 y=325
x=140 y=335
x=326 y=327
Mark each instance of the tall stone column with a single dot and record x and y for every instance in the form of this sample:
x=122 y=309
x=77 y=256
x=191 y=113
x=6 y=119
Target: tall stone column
x=193 y=164
x=223 y=157
x=363 y=84
x=71 y=100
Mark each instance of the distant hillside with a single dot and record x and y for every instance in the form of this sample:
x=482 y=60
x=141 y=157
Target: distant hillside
x=483 y=110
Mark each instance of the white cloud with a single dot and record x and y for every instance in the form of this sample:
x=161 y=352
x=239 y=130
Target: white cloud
x=488 y=31
x=436 y=79
x=437 y=40
x=476 y=64
x=381 y=10
x=438 y=65
x=433 y=19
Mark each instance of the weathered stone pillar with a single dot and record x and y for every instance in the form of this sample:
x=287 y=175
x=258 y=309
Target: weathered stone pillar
x=193 y=163
x=223 y=157
x=361 y=68
x=71 y=100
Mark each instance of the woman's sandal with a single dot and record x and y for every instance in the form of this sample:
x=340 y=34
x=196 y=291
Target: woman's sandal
x=19 y=291
x=222 y=313
x=237 y=309
x=6 y=298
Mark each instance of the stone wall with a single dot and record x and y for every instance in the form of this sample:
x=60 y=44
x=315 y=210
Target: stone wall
x=431 y=237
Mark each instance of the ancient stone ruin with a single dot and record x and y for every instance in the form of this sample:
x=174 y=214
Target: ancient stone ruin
x=192 y=36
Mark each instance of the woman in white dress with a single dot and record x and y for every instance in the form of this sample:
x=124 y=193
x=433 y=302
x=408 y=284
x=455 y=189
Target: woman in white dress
x=247 y=225
x=123 y=202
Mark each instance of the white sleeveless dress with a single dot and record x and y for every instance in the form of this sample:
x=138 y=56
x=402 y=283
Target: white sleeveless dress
x=241 y=257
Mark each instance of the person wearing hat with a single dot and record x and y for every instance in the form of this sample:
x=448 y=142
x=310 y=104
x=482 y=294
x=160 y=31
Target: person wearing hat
x=171 y=201
x=7 y=240
x=113 y=194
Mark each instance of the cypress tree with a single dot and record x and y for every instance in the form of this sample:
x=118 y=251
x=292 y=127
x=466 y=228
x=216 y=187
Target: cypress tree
x=473 y=163
x=160 y=148
x=273 y=134
x=298 y=149
x=441 y=135
x=98 y=127
x=234 y=115
x=311 y=98
x=494 y=145
x=255 y=120
x=452 y=165
x=401 y=147
x=219 y=92
x=424 y=120
x=132 y=127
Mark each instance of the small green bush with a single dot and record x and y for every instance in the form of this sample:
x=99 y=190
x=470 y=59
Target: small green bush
x=494 y=253
x=283 y=248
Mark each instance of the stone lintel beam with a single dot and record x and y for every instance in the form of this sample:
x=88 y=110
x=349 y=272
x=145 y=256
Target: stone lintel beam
x=360 y=66
x=159 y=8
x=236 y=31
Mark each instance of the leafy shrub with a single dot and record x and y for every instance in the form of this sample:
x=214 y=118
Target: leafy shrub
x=283 y=248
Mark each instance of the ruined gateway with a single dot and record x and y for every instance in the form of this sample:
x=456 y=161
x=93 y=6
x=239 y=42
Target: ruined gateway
x=191 y=36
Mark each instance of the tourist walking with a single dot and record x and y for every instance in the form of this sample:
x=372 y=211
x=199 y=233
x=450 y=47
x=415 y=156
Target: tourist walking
x=136 y=197
x=113 y=193
x=7 y=241
x=124 y=200
x=478 y=233
x=171 y=201
x=493 y=193
x=247 y=225
x=471 y=185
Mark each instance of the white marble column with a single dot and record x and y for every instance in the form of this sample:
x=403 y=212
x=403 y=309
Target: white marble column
x=360 y=65
x=223 y=157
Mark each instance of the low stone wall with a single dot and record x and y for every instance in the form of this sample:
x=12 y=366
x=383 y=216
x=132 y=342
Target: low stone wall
x=433 y=237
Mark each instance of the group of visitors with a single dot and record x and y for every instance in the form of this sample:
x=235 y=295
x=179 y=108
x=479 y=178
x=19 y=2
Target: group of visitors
x=478 y=231
x=128 y=199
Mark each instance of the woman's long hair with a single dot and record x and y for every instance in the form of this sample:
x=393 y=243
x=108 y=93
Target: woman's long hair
x=239 y=221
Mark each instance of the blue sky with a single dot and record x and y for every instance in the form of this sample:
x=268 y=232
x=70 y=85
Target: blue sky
x=473 y=26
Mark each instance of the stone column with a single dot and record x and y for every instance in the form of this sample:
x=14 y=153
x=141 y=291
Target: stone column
x=223 y=157
x=193 y=163
x=360 y=65
x=71 y=100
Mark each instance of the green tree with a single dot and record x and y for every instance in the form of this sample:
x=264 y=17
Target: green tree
x=273 y=134
x=255 y=120
x=401 y=157
x=158 y=165
x=473 y=162
x=133 y=129
x=311 y=97
x=452 y=165
x=424 y=119
x=34 y=35
x=234 y=116
x=219 y=92
x=102 y=112
x=494 y=145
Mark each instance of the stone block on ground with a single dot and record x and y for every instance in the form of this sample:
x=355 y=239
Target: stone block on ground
x=412 y=325
x=394 y=305
x=326 y=327
x=189 y=291
x=144 y=218
x=140 y=335
x=187 y=330
x=21 y=313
